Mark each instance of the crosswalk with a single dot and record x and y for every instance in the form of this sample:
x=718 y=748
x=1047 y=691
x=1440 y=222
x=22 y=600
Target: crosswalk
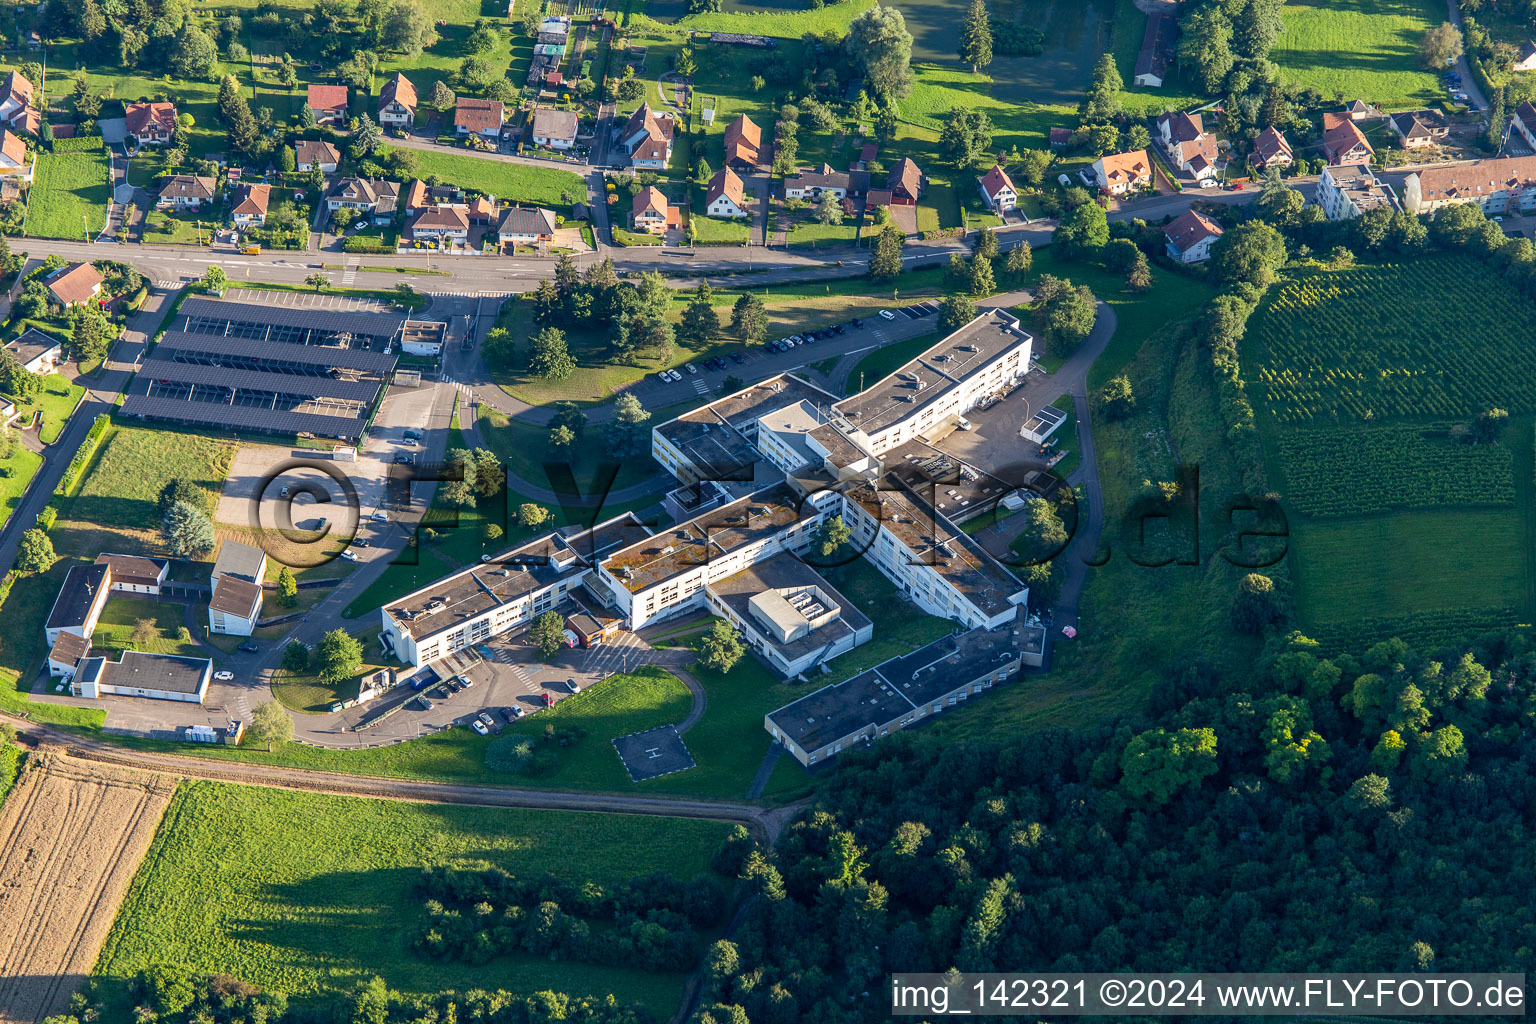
x=349 y=272
x=170 y=283
x=489 y=293
x=624 y=652
x=699 y=386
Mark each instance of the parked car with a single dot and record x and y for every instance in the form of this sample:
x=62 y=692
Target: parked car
x=466 y=682
x=359 y=542
x=549 y=700
x=224 y=676
x=886 y=314
x=573 y=686
x=454 y=686
x=412 y=432
x=422 y=704
x=248 y=648
x=349 y=556
x=738 y=358
x=479 y=727
x=856 y=322
x=692 y=369
x=571 y=639
x=485 y=717
x=380 y=517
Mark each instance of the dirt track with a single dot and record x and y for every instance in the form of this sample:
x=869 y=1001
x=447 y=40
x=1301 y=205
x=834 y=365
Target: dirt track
x=72 y=834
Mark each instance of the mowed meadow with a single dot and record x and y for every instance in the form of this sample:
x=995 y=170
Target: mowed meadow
x=1361 y=49
x=233 y=883
x=1361 y=378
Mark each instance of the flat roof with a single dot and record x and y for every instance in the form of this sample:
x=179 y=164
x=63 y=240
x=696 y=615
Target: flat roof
x=236 y=417
x=30 y=344
x=783 y=571
x=82 y=586
x=954 y=487
x=260 y=350
x=937 y=543
x=712 y=535
x=533 y=566
x=157 y=672
x=260 y=380
x=340 y=321
x=718 y=437
x=895 y=687
x=934 y=373
x=236 y=596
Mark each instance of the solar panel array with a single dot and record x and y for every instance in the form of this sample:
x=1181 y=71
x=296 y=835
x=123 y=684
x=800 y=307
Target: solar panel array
x=279 y=353
x=329 y=320
x=257 y=380
x=242 y=417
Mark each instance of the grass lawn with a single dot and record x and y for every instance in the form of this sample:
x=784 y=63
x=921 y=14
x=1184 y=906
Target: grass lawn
x=230 y=885
x=304 y=692
x=629 y=238
x=156 y=623
x=507 y=182
x=168 y=228
x=17 y=468
x=524 y=449
x=1364 y=49
x=69 y=186
x=57 y=401
x=117 y=502
x=715 y=231
x=807 y=234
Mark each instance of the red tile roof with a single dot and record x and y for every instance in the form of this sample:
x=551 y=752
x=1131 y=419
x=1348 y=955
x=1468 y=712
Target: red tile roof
x=398 y=90
x=995 y=180
x=1189 y=229
x=323 y=98
x=252 y=200
x=726 y=182
x=479 y=116
x=77 y=284
x=13 y=147
x=743 y=140
x=143 y=118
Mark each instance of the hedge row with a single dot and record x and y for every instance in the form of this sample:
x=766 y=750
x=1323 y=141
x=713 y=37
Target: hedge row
x=83 y=455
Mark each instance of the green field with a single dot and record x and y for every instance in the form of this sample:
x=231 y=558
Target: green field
x=69 y=195
x=1432 y=337
x=56 y=402
x=1424 y=539
x=230 y=885
x=117 y=503
x=1362 y=49
x=507 y=182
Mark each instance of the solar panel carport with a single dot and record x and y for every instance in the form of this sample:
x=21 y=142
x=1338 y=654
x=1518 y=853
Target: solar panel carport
x=277 y=353
x=257 y=380
x=242 y=417
x=329 y=321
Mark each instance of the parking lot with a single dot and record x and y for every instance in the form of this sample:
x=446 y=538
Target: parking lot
x=503 y=673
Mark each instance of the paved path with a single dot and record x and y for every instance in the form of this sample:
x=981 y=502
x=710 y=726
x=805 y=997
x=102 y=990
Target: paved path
x=768 y=823
x=1468 y=83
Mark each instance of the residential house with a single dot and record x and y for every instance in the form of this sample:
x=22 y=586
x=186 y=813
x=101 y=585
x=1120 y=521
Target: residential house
x=235 y=605
x=1119 y=173
x=439 y=224
x=554 y=129
x=309 y=153
x=374 y=197
x=483 y=210
x=151 y=124
x=75 y=285
x=1190 y=148
x=328 y=103
x=1524 y=122
x=1350 y=190
x=484 y=118
x=1156 y=54
x=997 y=190
x=743 y=143
x=250 y=205
x=1344 y=142
x=1061 y=138
x=1419 y=129
x=1270 y=149
x=1526 y=59
x=525 y=225
x=651 y=212
x=1191 y=236
x=16 y=101
x=186 y=192
x=811 y=184
x=647 y=138
x=13 y=155
x=726 y=196
x=397 y=103
x=905 y=183
x=36 y=352
x=1359 y=110
x=1505 y=185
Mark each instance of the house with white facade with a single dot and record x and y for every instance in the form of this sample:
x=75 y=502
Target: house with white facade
x=236 y=579
x=1501 y=186
x=554 y=129
x=1188 y=146
x=647 y=138
x=1353 y=189
x=397 y=102
x=36 y=352
x=1191 y=236
x=1118 y=173
x=726 y=196
x=997 y=190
